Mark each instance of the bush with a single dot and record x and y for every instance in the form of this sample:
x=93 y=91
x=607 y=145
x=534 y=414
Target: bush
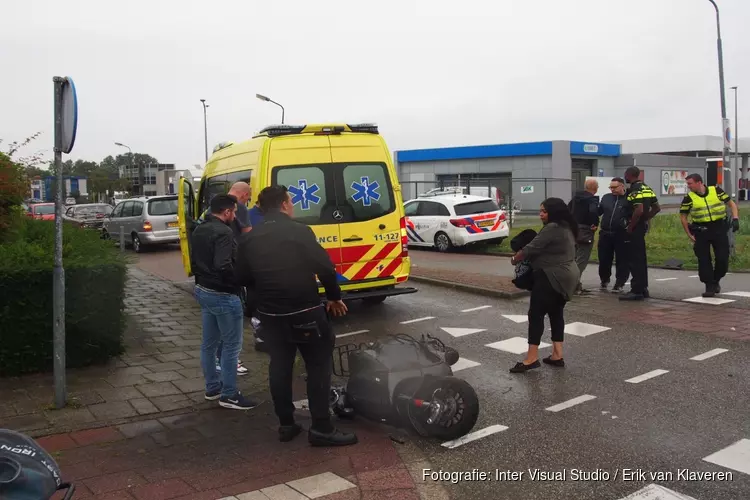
x=95 y=274
x=13 y=187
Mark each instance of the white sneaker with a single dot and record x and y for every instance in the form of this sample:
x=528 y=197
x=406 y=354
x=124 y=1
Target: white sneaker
x=241 y=370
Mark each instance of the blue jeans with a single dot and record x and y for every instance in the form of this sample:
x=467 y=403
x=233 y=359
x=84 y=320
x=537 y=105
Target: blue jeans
x=222 y=323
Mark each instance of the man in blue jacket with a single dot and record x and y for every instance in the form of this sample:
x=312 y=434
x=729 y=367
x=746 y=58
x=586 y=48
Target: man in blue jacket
x=613 y=210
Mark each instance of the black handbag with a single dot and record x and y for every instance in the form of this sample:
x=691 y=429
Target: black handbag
x=524 y=276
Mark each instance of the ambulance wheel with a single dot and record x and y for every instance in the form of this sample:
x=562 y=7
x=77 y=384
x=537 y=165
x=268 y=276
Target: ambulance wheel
x=442 y=242
x=373 y=301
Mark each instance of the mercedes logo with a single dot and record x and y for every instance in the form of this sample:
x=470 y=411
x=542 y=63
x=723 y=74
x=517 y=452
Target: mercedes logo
x=338 y=215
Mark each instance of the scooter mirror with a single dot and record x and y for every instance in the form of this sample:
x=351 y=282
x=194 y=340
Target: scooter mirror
x=451 y=356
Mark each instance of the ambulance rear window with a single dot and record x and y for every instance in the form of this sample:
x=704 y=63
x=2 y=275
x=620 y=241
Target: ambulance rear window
x=476 y=207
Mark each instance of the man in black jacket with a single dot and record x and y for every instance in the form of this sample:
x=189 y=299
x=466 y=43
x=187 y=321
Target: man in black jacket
x=585 y=209
x=279 y=261
x=614 y=210
x=213 y=252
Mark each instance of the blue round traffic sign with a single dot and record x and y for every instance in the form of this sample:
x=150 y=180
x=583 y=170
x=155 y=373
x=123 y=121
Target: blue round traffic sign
x=69 y=115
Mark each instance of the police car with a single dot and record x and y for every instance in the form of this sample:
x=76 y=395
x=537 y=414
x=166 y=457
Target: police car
x=445 y=220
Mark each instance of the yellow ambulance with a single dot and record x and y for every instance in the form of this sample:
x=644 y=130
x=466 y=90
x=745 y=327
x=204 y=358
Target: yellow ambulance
x=343 y=185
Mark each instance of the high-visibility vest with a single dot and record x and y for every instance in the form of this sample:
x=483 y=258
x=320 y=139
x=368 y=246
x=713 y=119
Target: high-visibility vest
x=709 y=208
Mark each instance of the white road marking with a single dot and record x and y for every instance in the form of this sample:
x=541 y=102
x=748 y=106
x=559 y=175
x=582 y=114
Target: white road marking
x=709 y=354
x=516 y=345
x=475 y=309
x=665 y=279
x=646 y=376
x=656 y=492
x=708 y=300
x=694 y=276
x=342 y=335
x=516 y=318
x=417 y=320
x=737 y=294
x=463 y=364
x=736 y=456
x=473 y=436
x=584 y=329
x=460 y=332
x=571 y=402
x=301 y=404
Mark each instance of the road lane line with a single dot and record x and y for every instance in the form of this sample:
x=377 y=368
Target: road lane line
x=709 y=354
x=571 y=402
x=417 y=320
x=646 y=376
x=665 y=279
x=475 y=309
x=694 y=276
x=341 y=335
x=473 y=436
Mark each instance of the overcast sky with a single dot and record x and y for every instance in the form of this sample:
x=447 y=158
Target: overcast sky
x=431 y=73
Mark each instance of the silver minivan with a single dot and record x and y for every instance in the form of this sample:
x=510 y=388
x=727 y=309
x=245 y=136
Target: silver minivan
x=144 y=221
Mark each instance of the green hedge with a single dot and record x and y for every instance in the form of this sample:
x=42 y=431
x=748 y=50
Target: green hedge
x=95 y=276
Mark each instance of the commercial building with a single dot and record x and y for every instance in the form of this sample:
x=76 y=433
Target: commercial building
x=524 y=174
x=44 y=189
x=148 y=180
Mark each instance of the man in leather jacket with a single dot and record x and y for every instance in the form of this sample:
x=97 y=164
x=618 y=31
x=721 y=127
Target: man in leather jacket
x=614 y=210
x=279 y=260
x=213 y=256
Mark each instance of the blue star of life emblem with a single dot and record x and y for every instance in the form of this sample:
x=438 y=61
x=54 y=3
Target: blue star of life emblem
x=365 y=191
x=304 y=194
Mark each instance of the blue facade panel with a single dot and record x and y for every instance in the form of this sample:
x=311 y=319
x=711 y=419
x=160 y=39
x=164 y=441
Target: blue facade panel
x=474 y=152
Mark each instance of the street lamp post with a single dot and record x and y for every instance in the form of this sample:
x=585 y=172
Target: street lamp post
x=737 y=168
x=131 y=164
x=205 y=128
x=724 y=149
x=264 y=98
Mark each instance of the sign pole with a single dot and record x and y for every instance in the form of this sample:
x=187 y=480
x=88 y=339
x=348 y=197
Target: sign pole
x=58 y=286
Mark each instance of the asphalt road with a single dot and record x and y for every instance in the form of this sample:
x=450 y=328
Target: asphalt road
x=669 y=423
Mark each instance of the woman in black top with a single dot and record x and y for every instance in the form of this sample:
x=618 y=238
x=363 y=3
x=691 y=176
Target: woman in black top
x=552 y=256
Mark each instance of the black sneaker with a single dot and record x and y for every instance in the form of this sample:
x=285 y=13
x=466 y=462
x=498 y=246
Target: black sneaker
x=632 y=296
x=646 y=294
x=604 y=285
x=213 y=395
x=289 y=432
x=239 y=402
x=618 y=288
x=717 y=288
x=335 y=438
x=710 y=290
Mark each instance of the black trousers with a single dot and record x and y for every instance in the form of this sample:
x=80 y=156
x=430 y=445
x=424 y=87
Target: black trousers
x=716 y=237
x=545 y=301
x=635 y=243
x=612 y=248
x=284 y=336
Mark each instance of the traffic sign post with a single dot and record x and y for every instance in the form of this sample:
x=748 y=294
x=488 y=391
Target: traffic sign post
x=66 y=124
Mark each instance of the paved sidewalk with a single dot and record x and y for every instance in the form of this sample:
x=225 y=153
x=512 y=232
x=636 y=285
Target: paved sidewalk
x=225 y=454
x=159 y=374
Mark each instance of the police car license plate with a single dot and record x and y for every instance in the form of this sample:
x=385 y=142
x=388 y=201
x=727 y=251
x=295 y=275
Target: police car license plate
x=486 y=223
x=173 y=224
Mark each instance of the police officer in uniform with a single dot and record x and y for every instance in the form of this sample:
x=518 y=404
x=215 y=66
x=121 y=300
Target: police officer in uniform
x=643 y=206
x=706 y=206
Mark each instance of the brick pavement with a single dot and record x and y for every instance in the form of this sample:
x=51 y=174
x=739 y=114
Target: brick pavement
x=158 y=375
x=139 y=428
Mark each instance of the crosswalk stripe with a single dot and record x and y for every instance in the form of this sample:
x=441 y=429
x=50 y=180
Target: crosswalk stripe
x=571 y=402
x=341 y=335
x=417 y=320
x=475 y=309
x=473 y=436
x=709 y=354
x=646 y=376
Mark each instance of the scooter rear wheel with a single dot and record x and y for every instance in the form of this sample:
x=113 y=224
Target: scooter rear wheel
x=461 y=408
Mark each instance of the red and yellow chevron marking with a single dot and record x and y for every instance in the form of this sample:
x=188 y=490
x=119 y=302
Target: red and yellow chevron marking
x=371 y=261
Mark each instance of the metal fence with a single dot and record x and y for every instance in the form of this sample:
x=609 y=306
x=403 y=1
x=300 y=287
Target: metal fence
x=519 y=197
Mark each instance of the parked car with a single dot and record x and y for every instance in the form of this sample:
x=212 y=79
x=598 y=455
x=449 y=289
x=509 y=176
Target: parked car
x=454 y=220
x=42 y=211
x=90 y=215
x=144 y=221
x=70 y=201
